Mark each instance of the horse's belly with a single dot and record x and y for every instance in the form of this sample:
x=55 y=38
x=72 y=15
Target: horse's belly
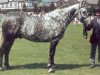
x=35 y=38
x=36 y=35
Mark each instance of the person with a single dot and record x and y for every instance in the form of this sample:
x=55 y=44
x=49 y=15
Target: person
x=41 y=11
x=95 y=37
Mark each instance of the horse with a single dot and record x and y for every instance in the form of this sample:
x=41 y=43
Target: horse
x=49 y=27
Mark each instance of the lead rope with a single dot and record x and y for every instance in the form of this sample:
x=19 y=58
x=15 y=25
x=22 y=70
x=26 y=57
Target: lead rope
x=85 y=34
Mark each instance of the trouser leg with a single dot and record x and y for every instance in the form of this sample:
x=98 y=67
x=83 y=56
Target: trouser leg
x=93 y=51
x=92 y=55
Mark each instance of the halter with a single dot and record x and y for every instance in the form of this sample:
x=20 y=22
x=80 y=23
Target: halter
x=84 y=25
x=82 y=19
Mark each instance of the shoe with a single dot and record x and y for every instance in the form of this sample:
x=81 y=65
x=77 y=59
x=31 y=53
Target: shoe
x=92 y=66
x=92 y=63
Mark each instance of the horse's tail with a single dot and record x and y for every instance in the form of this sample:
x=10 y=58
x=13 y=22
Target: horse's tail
x=1 y=38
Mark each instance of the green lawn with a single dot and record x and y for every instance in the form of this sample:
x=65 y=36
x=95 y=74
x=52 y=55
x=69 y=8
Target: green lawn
x=72 y=56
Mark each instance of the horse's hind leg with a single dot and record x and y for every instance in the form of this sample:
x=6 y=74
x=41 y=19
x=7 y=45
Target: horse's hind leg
x=7 y=46
x=5 y=49
x=1 y=49
x=53 y=45
x=1 y=57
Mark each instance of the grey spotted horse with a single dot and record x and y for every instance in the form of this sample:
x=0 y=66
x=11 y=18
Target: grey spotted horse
x=49 y=27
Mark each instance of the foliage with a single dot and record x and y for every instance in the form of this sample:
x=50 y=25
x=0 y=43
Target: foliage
x=99 y=3
x=24 y=8
x=52 y=6
x=35 y=7
x=72 y=56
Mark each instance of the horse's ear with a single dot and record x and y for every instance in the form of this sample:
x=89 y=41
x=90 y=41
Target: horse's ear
x=82 y=3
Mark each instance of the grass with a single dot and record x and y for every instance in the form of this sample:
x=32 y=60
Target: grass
x=72 y=56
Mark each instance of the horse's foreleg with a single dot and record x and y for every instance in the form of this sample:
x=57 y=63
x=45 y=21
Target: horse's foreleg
x=53 y=45
x=7 y=45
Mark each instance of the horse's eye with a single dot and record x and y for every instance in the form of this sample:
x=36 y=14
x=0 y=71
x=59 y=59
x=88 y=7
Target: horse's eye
x=84 y=12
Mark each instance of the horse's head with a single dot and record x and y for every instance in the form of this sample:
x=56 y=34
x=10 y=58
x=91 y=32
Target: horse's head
x=82 y=11
x=82 y=14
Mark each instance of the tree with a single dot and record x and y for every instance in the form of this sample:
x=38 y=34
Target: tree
x=99 y=3
x=24 y=8
x=35 y=7
x=52 y=6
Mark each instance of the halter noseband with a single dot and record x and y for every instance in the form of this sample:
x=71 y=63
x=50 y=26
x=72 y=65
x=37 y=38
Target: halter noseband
x=82 y=19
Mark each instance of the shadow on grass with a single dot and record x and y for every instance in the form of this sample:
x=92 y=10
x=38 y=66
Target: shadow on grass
x=70 y=66
x=43 y=66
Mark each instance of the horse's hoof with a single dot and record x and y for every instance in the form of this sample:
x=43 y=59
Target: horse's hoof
x=2 y=69
x=51 y=70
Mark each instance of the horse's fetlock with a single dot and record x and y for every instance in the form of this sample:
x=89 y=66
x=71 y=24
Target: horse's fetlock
x=52 y=69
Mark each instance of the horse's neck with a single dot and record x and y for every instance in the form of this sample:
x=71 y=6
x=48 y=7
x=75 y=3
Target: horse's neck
x=69 y=13
x=63 y=13
x=68 y=9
